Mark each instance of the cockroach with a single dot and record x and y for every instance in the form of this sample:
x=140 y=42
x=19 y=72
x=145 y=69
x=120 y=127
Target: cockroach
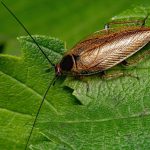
x=95 y=54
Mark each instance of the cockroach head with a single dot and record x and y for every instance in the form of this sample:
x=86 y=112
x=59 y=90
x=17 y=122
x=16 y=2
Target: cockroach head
x=65 y=65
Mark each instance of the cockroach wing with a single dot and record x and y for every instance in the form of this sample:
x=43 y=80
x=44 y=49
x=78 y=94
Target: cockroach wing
x=112 y=50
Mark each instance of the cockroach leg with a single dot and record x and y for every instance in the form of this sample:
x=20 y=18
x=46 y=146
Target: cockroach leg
x=107 y=26
x=116 y=75
x=142 y=22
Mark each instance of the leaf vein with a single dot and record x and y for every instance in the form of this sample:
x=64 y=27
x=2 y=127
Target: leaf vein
x=31 y=90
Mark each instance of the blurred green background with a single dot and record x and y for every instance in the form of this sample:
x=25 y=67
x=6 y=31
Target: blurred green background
x=67 y=20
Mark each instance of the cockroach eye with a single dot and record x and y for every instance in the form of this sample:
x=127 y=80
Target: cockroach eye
x=67 y=63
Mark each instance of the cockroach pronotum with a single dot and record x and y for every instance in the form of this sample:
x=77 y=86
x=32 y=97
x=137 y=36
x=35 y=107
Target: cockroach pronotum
x=97 y=53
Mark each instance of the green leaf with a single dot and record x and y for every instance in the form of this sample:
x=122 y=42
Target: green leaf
x=23 y=83
x=99 y=114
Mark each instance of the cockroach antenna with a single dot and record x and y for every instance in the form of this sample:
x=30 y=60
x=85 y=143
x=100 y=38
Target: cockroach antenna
x=15 y=17
x=50 y=84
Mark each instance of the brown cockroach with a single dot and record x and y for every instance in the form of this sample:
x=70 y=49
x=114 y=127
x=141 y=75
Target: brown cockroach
x=97 y=53
x=103 y=51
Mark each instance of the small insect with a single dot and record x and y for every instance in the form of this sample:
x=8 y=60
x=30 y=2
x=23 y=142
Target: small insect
x=96 y=53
